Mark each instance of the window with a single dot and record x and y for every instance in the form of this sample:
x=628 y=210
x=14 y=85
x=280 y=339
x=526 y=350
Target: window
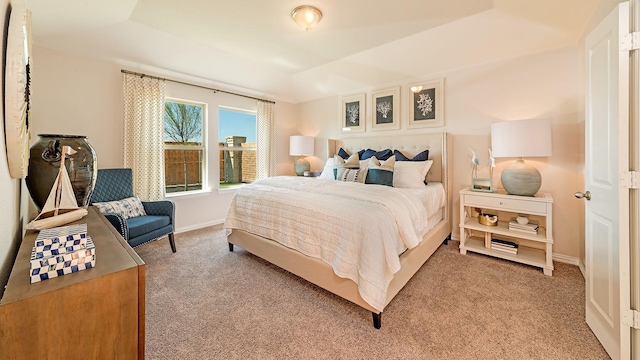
x=184 y=145
x=237 y=142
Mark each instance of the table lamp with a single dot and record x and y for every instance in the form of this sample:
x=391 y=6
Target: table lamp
x=301 y=146
x=520 y=139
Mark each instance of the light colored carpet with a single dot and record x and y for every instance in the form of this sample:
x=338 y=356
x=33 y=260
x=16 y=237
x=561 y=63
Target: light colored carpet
x=205 y=302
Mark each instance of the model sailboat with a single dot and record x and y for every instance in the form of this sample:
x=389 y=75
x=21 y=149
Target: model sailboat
x=61 y=206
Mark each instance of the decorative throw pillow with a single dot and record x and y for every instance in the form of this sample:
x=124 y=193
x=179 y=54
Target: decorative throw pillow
x=364 y=168
x=423 y=156
x=350 y=175
x=380 y=173
x=128 y=208
x=352 y=162
x=411 y=174
x=343 y=154
x=380 y=155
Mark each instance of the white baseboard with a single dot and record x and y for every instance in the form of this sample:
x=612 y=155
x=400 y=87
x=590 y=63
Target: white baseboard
x=582 y=269
x=556 y=257
x=199 y=226
x=566 y=259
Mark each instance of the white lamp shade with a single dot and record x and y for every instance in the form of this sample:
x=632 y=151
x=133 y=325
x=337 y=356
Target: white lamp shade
x=521 y=138
x=301 y=145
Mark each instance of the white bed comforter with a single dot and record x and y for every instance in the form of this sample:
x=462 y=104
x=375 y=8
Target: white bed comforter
x=350 y=226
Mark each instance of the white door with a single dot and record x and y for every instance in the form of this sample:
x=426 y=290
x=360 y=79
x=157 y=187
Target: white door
x=606 y=155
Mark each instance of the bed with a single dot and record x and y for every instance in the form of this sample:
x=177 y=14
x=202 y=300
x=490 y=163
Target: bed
x=323 y=272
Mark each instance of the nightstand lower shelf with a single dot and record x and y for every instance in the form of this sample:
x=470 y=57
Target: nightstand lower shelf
x=525 y=255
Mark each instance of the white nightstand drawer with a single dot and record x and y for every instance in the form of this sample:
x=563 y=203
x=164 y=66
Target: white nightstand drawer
x=502 y=203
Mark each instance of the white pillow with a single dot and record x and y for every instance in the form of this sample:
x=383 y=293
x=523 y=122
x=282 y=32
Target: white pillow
x=364 y=168
x=353 y=162
x=374 y=163
x=327 y=172
x=410 y=174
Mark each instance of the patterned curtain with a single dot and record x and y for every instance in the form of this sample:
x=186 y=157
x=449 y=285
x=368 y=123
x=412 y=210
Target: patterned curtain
x=144 y=134
x=265 y=151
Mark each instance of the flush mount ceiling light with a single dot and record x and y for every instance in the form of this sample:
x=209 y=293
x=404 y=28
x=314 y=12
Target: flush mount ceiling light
x=306 y=16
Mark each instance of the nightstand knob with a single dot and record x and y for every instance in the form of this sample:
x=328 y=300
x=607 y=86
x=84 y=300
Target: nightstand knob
x=500 y=202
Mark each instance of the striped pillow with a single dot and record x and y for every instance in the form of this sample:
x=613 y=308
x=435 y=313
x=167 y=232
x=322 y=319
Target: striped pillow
x=350 y=175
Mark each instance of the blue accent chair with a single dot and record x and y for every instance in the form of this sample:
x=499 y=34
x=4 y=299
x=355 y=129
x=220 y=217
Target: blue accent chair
x=117 y=184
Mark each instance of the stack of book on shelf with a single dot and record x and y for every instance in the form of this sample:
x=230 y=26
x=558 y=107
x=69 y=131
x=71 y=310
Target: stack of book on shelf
x=529 y=228
x=504 y=246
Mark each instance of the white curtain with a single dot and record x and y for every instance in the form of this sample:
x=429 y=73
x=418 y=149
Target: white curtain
x=144 y=134
x=265 y=152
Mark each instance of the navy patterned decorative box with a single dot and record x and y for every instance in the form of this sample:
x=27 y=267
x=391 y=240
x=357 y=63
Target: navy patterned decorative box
x=61 y=251
x=61 y=237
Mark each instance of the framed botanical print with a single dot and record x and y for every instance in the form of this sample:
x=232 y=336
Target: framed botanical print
x=427 y=104
x=353 y=113
x=385 y=109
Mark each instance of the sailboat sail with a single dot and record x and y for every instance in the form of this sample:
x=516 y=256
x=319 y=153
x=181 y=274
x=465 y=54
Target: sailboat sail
x=61 y=206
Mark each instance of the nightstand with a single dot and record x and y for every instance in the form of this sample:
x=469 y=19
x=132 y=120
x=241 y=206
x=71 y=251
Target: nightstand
x=533 y=248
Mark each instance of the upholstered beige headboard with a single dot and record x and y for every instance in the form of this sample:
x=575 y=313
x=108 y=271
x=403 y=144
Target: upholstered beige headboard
x=438 y=144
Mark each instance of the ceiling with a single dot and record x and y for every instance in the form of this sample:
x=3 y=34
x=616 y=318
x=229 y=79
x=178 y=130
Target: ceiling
x=255 y=46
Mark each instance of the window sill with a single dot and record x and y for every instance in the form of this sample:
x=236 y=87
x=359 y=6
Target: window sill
x=229 y=189
x=188 y=194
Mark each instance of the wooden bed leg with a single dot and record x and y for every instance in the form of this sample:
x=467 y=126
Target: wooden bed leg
x=377 y=320
x=230 y=247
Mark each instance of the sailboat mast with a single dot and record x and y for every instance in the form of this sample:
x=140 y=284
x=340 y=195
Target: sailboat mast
x=59 y=185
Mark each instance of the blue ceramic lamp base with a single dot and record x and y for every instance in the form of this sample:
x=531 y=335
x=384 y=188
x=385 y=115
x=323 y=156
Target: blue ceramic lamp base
x=301 y=165
x=521 y=179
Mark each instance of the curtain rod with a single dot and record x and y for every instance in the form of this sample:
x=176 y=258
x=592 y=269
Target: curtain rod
x=186 y=83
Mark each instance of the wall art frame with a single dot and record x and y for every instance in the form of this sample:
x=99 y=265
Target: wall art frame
x=385 y=109
x=353 y=113
x=426 y=104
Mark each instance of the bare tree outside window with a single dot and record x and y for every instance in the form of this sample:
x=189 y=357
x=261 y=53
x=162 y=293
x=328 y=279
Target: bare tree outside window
x=183 y=132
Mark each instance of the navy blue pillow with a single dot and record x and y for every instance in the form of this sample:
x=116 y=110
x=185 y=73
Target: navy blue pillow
x=381 y=155
x=423 y=156
x=367 y=154
x=343 y=154
x=379 y=177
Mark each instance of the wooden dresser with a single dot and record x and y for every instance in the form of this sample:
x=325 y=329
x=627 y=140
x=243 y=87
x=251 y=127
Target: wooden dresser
x=96 y=313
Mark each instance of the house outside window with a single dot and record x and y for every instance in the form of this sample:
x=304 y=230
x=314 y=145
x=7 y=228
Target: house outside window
x=185 y=164
x=237 y=144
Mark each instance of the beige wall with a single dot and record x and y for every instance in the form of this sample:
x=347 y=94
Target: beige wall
x=10 y=216
x=78 y=95
x=541 y=86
